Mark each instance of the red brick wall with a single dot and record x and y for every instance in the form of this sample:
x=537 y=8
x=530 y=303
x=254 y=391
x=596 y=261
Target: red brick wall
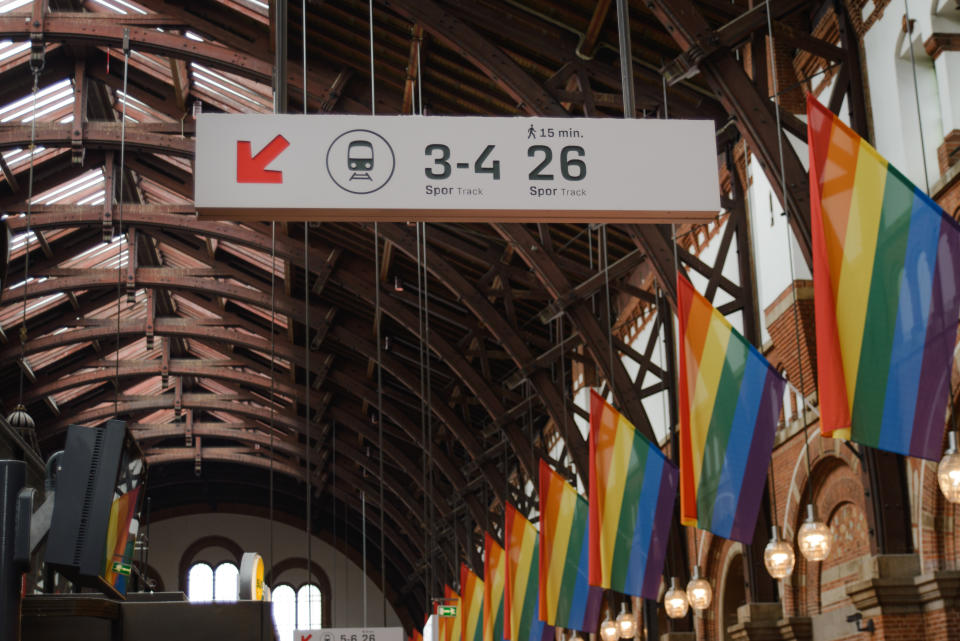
x=782 y=323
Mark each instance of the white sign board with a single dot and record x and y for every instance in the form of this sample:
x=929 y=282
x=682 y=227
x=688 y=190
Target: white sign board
x=446 y=168
x=349 y=634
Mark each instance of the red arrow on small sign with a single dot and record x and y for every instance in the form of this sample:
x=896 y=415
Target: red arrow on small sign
x=253 y=169
x=306 y=638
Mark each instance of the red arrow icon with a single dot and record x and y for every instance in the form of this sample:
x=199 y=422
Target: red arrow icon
x=253 y=169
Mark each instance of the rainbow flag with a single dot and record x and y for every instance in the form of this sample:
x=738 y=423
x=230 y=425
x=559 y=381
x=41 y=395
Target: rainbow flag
x=494 y=581
x=632 y=490
x=121 y=538
x=471 y=600
x=730 y=399
x=521 y=617
x=885 y=265
x=449 y=627
x=567 y=599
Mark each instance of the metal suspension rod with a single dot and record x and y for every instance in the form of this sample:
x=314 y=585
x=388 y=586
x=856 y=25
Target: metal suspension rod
x=379 y=323
x=123 y=137
x=306 y=390
x=626 y=59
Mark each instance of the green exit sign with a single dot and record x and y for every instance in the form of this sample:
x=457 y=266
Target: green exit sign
x=447 y=610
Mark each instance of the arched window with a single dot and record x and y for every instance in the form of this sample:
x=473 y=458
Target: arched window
x=296 y=610
x=200 y=583
x=204 y=584
x=309 y=614
x=284 y=611
x=225 y=582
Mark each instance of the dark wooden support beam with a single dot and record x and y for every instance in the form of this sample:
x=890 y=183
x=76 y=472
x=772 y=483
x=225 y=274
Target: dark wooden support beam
x=753 y=112
x=138 y=137
x=588 y=46
x=79 y=112
x=199 y=402
x=857 y=103
x=106 y=217
x=787 y=35
x=497 y=65
x=508 y=337
x=413 y=61
x=9 y=176
x=585 y=323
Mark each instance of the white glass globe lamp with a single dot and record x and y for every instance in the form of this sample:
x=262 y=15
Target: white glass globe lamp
x=626 y=626
x=814 y=537
x=699 y=591
x=675 y=601
x=948 y=472
x=778 y=556
x=609 y=630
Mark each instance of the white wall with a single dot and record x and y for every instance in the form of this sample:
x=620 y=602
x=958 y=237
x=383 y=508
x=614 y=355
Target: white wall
x=170 y=538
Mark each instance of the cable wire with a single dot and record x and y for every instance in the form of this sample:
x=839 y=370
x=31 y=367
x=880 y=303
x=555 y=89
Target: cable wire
x=916 y=95
x=793 y=279
x=306 y=396
x=378 y=321
x=123 y=139
x=373 y=84
x=26 y=257
x=306 y=336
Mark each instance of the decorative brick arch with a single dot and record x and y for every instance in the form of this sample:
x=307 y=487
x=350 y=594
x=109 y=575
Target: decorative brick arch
x=825 y=455
x=836 y=487
x=318 y=577
x=727 y=564
x=189 y=556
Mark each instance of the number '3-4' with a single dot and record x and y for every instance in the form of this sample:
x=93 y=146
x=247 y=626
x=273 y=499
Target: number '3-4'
x=570 y=168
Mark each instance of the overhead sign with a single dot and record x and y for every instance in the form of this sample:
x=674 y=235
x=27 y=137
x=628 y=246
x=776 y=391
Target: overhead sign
x=445 y=168
x=447 y=610
x=349 y=634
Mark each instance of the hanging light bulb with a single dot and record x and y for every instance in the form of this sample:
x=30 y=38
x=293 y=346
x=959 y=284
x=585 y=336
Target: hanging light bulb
x=699 y=591
x=814 y=537
x=609 y=630
x=626 y=626
x=675 y=601
x=948 y=472
x=778 y=556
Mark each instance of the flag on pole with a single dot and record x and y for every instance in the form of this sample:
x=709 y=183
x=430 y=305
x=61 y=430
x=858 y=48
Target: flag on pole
x=494 y=580
x=632 y=490
x=886 y=260
x=567 y=599
x=521 y=617
x=471 y=601
x=730 y=399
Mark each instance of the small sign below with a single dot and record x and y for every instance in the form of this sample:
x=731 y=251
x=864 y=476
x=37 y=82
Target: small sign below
x=447 y=610
x=349 y=634
x=450 y=168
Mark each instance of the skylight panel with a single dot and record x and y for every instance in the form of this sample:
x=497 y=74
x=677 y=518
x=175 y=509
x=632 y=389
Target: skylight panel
x=7 y=7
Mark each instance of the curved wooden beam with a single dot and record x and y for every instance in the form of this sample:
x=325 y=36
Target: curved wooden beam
x=753 y=112
x=170 y=278
x=178 y=367
x=398 y=310
x=163 y=327
x=594 y=337
x=166 y=402
x=167 y=218
x=228 y=454
x=100 y=135
x=511 y=341
x=498 y=66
